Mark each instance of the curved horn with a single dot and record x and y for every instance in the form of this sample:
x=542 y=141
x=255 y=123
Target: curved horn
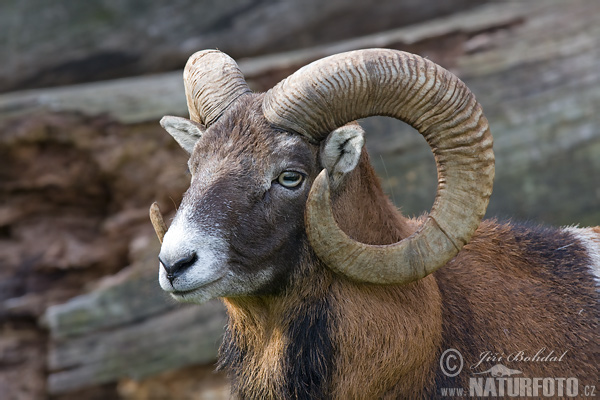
x=213 y=81
x=329 y=93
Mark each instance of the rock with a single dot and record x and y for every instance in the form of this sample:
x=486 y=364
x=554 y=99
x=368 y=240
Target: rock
x=22 y=355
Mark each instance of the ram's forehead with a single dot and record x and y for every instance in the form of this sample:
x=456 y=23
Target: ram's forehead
x=244 y=135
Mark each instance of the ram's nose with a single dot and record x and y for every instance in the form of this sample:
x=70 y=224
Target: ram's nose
x=175 y=266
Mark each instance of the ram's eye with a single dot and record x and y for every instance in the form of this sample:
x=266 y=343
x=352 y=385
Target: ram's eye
x=290 y=179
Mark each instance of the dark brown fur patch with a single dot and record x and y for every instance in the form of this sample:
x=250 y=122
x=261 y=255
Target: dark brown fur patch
x=281 y=347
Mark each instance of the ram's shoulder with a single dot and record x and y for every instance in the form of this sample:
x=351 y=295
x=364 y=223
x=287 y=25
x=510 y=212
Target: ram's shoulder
x=532 y=249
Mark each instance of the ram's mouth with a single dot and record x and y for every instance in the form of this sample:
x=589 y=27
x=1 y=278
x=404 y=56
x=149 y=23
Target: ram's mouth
x=184 y=293
x=189 y=294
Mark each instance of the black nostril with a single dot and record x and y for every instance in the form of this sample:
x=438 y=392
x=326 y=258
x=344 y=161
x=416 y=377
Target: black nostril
x=183 y=263
x=179 y=266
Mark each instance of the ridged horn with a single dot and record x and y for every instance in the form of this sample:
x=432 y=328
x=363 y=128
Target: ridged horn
x=213 y=81
x=333 y=91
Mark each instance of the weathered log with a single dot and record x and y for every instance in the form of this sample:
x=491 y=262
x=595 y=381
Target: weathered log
x=148 y=98
x=50 y=44
x=185 y=336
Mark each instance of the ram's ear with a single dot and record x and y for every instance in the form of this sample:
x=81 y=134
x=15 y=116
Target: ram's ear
x=186 y=132
x=341 y=151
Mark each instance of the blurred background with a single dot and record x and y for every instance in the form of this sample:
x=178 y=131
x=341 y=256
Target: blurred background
x=83 y=85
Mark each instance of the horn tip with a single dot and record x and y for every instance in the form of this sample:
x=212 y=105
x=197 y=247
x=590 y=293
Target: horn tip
x=158 y=223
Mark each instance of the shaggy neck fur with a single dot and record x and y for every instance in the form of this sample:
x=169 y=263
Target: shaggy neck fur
x=304 y=343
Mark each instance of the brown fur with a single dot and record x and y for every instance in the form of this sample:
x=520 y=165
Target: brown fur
x=262 y=324
x=500 y=293
x=380 y=326
x=503 y=295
